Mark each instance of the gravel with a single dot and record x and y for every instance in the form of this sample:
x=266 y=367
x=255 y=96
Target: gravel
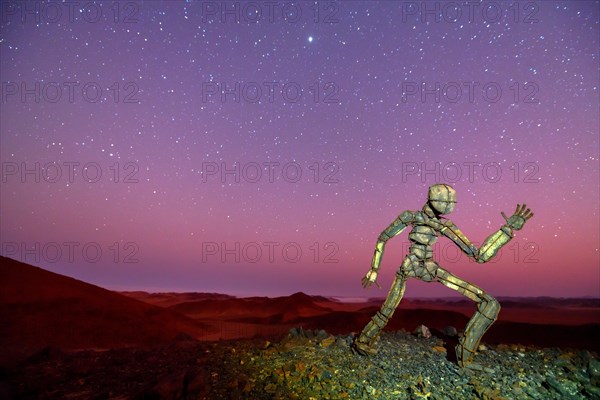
x=410 y=367
x=306 y=365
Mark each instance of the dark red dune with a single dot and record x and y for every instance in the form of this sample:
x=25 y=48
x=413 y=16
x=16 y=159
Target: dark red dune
x=170 y=299
x=287 y=308
x=41 y=309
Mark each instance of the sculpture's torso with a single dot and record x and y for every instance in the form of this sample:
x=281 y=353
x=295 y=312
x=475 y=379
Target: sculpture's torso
x=419 y=263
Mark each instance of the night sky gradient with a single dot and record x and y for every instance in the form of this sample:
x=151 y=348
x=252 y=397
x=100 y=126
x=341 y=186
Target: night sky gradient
x=362 y=132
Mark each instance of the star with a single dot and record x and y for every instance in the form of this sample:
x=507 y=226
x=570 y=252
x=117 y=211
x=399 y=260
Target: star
x=310 y=39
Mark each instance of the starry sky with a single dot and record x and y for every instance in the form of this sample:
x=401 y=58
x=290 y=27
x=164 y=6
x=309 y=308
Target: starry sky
x=192 y=146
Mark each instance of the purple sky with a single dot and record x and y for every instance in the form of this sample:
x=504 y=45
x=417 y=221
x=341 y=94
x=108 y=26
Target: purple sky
x=340 y=100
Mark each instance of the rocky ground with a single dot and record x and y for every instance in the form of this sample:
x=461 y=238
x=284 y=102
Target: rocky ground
x=307 y=365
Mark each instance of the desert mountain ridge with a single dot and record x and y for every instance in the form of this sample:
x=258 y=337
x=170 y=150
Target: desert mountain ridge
x=41 y=310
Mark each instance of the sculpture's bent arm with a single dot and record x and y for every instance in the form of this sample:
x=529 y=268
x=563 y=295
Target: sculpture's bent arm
x=394 y=229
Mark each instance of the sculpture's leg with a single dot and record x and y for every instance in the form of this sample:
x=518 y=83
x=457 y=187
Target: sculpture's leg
x=364 y=342
x=487 y=312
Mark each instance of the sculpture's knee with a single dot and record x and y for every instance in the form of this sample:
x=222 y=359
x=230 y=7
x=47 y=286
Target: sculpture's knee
x=400 y=273
x=489 y=307
x=381 y=318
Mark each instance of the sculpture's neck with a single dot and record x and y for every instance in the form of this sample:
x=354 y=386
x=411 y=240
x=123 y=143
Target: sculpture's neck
x=429 y=211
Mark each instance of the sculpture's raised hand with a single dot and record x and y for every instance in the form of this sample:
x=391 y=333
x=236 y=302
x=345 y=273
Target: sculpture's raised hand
x=518 y=219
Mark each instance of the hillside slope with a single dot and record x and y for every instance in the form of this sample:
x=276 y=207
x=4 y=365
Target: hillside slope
x=41 y=309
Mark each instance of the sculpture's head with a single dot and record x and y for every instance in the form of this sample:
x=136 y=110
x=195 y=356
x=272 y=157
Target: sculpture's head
x=442 y=198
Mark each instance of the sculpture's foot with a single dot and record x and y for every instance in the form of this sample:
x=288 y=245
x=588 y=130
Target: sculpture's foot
x=463 y=356
x=363 y=348
x=464 y=359
x=475 y=367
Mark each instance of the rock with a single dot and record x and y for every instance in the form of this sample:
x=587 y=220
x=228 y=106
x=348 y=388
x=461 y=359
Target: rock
x=592 y=391
x=580 y=377
x=565 y=387
x=422 y=331
x=518 y=392
x=326 y=375
x=594 y=371
x=270 y=388
x=313 y=374
x=517 y=348
x=321 y=334
x=295 y=332
x=439 y=349
x=327 y=341
x=248 y=387
x=300 y=367
x=450 y=331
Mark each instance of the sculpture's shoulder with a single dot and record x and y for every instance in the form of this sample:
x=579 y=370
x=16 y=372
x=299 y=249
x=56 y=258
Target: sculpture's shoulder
x=407 y=217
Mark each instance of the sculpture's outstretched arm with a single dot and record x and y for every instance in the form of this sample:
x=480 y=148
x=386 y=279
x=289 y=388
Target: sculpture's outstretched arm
x=394 y=229
x=494 y=242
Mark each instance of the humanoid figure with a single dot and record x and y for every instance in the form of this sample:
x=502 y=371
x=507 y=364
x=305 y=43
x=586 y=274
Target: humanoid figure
x=427 y=225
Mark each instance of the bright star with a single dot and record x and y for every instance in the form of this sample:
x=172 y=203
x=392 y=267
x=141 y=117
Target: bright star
x=310 y=39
